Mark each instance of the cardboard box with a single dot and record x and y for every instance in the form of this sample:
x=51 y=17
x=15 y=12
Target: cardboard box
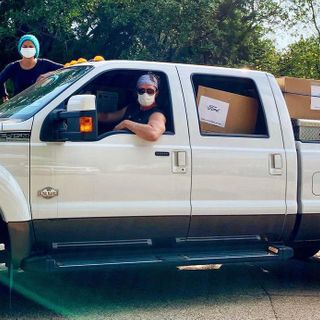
x=225 y=112
x=306 y=87
x=303 y=107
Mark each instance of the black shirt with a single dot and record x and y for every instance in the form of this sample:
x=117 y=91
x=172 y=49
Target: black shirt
x=134 y=113
x=23 y=79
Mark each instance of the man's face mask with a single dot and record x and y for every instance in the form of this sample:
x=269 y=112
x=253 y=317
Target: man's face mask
x=28 y=52
x=146 y=97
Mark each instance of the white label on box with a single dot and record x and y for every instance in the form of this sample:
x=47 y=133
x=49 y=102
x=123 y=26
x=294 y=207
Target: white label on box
x=213 y=111
x=315 y=90
x=315 y=103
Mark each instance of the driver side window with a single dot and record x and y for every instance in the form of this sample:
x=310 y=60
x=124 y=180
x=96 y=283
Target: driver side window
x=116 y=90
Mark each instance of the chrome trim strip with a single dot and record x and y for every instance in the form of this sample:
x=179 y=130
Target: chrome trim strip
x=107 y=263
x=219 y=238
x=58 y=245
x=232 y=257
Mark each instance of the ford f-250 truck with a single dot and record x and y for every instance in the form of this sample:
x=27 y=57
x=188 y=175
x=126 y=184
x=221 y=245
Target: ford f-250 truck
x=76 y=194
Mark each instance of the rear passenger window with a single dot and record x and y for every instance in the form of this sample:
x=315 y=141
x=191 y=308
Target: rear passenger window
x=228 y=106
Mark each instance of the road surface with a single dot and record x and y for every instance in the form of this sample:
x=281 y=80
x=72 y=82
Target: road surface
x=286 y=290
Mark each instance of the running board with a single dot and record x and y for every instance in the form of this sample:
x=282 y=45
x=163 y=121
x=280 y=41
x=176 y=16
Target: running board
x=67 y=262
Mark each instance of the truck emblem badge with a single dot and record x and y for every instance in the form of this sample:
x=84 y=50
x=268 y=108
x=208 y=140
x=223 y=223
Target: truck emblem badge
x=48 y=192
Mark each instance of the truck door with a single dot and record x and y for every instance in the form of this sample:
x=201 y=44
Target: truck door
x=238 y=160
x=120 y=187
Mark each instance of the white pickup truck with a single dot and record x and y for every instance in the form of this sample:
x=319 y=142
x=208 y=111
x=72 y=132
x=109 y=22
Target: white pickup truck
x=73 y=197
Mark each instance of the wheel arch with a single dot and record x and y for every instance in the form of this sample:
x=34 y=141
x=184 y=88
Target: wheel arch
x=14 y=205
x=15 y=218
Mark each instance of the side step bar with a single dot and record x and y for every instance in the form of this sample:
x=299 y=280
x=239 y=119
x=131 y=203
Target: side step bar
x=68 y=262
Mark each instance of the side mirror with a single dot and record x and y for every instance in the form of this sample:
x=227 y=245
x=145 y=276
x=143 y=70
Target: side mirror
x=77 y=123
x=82 y=102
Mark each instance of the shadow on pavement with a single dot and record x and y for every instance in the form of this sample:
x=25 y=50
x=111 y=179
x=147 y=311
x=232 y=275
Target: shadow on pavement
x=102 y=295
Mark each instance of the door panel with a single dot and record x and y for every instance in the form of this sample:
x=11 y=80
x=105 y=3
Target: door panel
x=122 y=187
x=238 y=185
x=121 y=177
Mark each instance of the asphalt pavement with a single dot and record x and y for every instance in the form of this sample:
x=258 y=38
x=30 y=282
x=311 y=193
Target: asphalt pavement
x=286 y=290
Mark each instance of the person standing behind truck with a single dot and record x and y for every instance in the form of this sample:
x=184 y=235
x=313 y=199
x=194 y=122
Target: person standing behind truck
x=25 y=72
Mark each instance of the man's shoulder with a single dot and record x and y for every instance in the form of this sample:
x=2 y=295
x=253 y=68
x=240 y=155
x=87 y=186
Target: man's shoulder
x=13 y=65
x=49 y=65
x=44 y=61
x=11 y=68
x=47 y=62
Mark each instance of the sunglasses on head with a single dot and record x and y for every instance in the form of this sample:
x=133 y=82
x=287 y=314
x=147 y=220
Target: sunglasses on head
x=149 y=91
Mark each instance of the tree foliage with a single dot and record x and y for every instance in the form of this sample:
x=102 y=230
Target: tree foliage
x=204 y=31
x=301 y=59
x=216 y=32
x=307 y=13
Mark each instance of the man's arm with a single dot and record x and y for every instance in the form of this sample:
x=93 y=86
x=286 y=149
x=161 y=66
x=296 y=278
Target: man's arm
x=151 y=131
x=4 y=76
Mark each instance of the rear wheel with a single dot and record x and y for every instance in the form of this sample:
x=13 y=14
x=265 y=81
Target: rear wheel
x=305 y=252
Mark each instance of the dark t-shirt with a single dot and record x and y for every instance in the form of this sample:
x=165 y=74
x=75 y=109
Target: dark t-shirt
x=134 y=113
x=23 y=79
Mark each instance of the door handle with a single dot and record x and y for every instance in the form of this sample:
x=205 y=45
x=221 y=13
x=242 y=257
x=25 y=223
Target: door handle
x=275 y=164
x=179 y=162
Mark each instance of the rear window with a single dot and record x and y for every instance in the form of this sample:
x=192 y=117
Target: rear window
x=228 y=106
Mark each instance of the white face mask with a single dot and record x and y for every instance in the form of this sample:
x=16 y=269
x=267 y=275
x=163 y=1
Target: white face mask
x=28 y=52
x=146 y=100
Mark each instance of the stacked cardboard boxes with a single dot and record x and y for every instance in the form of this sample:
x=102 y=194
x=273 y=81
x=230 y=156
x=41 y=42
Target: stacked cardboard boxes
x=225 y=112
x=302 y=97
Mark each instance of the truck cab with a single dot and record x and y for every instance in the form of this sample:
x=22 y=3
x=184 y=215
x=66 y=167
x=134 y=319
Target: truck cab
x=73 y=198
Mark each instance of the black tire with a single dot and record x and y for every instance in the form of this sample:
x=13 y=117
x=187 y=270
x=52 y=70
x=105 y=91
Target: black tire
x=305 y=252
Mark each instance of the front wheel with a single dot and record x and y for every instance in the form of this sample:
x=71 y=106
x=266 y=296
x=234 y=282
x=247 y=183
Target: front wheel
x=305 y=252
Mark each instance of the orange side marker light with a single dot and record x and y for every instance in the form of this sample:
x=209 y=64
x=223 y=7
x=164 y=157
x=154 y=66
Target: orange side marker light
x=86 y=124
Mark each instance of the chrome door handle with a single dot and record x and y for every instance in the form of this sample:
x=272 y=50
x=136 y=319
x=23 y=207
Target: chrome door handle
x=179 y=161
x=275 y=164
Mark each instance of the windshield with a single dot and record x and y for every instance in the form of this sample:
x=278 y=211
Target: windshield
x=30 y=101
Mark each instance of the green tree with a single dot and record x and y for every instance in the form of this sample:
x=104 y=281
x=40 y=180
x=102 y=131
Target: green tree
x=221 y=32
x=301 y=59
x=54 y=22
x=218 y=32
x=307 y=13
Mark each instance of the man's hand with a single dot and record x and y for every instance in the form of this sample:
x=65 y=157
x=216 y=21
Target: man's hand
x=43 y=76
x=4 y=99
x=122 y=125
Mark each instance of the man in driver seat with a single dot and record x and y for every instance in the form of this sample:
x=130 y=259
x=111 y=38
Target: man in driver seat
x=142 y=117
